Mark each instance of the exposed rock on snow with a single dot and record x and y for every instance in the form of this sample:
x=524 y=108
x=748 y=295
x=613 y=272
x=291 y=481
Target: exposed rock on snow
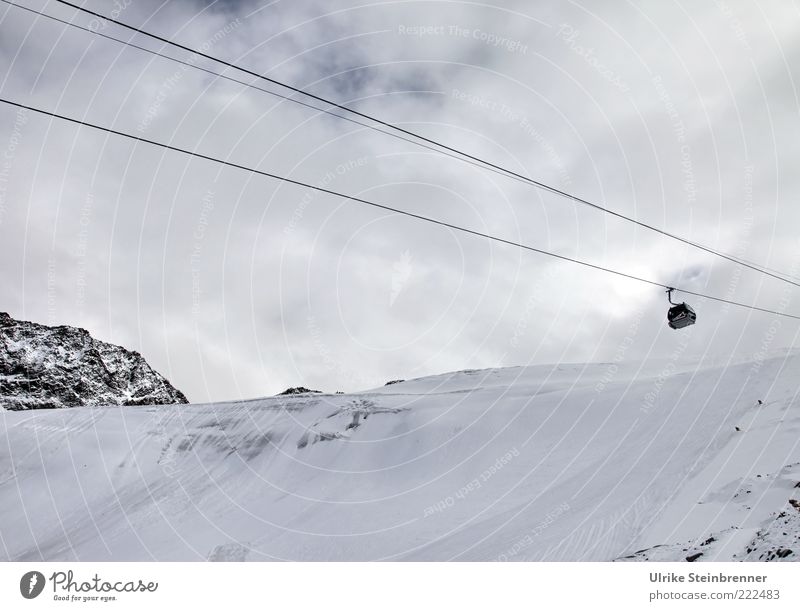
x=297 y=390
x=52 y=367
x=777 y=538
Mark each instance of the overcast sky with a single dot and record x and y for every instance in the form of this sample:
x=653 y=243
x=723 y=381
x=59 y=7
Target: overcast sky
x=681 y=114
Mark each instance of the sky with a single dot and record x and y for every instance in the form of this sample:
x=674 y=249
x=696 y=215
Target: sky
x=683 y=115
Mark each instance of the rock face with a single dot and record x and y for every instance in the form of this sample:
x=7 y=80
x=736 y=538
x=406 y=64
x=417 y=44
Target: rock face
x=51 y=367
x=297 y=390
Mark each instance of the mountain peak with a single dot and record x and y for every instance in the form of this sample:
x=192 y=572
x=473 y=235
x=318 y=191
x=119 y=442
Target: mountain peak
x=64 y=366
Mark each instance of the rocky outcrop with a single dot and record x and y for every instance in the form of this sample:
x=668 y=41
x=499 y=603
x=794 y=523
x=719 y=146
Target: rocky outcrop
x=54 y=367
x=297 y=390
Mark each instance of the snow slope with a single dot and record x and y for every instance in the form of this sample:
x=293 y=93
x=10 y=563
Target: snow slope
x=566 y=462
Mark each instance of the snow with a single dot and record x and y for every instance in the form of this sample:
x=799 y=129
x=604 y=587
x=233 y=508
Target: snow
x=562 y=462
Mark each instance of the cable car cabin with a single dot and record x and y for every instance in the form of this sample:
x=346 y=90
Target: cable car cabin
x=680 y=316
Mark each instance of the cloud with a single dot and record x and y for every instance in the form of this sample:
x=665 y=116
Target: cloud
x=234 y=285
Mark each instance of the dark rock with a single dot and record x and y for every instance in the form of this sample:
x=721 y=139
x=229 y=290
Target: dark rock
x=693 y=557
x=708 y=541
x=297 y=390
x=55 y=367
x=390 y=382
x=782 y=553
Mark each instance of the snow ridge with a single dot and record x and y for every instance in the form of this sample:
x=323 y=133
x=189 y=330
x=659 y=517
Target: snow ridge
x=547 y=462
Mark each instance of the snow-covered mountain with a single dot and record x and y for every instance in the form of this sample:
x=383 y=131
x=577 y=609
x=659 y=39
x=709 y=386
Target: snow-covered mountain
x=45 y=367
x=570 y=462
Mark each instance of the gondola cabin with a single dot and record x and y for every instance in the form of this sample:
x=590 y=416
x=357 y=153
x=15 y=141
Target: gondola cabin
x=680 y=316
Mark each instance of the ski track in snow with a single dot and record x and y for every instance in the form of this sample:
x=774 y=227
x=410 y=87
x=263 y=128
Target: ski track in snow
x=524 y=463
